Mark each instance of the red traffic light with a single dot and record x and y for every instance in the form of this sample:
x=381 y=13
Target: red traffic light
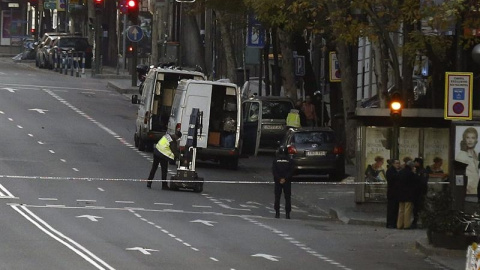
x=131 y=4
x=98 y=5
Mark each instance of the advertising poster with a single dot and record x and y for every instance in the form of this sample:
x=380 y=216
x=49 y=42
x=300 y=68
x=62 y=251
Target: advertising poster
x=375 y=165
x=436 y=142
x=466 y=151
x=409 y=143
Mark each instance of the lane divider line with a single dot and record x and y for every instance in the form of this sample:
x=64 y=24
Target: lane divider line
x=61 y=238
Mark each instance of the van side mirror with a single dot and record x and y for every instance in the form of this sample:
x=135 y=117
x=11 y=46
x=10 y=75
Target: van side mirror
x=135 y=99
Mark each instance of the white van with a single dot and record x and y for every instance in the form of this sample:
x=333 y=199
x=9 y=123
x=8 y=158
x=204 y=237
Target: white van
x=156 y=97
x=220 y=103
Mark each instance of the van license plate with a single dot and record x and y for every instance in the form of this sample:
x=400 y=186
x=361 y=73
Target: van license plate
x=273 y=127
x=316 y=153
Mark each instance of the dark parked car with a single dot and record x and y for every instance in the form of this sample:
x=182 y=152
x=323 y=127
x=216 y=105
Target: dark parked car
x=64 y=44
x=315 y=151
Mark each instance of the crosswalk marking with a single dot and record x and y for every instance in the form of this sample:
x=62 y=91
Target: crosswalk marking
x=4 y=193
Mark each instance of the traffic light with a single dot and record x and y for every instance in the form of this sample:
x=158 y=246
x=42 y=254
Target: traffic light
x=132 y=10
x=130 y=51
x=396 y=105
x=99 y=5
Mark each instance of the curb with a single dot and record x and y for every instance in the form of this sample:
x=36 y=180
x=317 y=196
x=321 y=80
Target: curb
x=122 y=90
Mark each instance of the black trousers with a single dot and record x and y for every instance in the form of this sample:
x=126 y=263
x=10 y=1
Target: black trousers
x=392 y=213
x=159 y=158
x=417 y=208
x=287 y=190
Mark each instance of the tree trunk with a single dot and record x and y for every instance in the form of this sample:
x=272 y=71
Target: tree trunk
x=227 y=44
x=193 y=53
x=381 y=72
x=277 y=81
x=407 y=68
x=288 y=73
x=349 y=96
x=112 y=39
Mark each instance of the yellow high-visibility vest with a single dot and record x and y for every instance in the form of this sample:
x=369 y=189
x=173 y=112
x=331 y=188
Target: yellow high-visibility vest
x=163 y=146
x=293 y=119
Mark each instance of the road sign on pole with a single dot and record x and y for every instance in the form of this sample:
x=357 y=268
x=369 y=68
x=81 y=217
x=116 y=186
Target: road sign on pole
x=335 y=75
x=458 y=95
x=299 y=65
x=134 y=33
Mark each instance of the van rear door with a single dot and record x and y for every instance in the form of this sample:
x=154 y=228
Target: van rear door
x=197 y=96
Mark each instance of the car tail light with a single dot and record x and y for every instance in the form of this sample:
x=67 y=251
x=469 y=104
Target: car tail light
x=145 y=119
x=291 y=150
x=178 y=126
x=337 y=150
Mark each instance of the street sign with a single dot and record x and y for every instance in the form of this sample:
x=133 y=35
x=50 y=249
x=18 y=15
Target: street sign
x=299 y=65
x=335 y=75
x=134 y=33
x=458 y=95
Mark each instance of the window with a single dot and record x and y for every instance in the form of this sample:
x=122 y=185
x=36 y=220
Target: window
x=276 y=109
x=313 y=137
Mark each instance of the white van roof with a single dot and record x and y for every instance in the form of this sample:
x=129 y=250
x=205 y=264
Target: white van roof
x=228 y=84
x=179 y=71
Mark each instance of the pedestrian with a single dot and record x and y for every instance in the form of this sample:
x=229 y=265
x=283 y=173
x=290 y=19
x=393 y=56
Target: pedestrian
x=309 y=110
x=421 y=189
x=392 y=190
x=293 y=119
x=406 y=189
x=165 y=150
x=320 y=109
x=436 y=167
x=282 y=170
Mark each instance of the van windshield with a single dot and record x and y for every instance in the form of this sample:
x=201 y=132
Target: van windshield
x=276 y=109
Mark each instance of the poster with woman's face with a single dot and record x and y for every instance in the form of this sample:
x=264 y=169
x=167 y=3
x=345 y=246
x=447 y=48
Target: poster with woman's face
x=466 y=151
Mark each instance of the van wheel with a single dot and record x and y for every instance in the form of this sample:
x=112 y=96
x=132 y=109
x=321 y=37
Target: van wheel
x=141 y=144
x=135 y=140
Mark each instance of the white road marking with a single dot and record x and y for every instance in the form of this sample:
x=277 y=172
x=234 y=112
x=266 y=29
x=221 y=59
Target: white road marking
x=10 y=119
x=51 y=151
x=145 y=251
x=20 y=127
x=86 y=200
x=205 y=222
x=101 y=189
x=61 y=238
x=201 y=206
x=159 y=203
x=124 y=202
x=39 y=142
x=48 y=199
x=63 y=160
x=90 y=217
x=75 y=169
x=213 y=259
x=31 y=135
x=40 y=111
x=267 y=256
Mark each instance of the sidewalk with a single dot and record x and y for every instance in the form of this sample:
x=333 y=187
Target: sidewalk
x=338 y=202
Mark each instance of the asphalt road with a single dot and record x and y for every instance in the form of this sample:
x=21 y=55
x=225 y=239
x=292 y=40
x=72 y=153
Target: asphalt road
x=73 y=196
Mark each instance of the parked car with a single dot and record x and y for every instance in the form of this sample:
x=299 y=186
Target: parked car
x=264 y=122
x=64 y=44
x=315 y=151
x=41 y=47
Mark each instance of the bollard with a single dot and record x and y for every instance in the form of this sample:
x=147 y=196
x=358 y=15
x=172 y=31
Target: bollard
x=59 y=59
x=72 y=63
x=83 y=63
x=55 y=61
x=77 y=62
x=65 y=64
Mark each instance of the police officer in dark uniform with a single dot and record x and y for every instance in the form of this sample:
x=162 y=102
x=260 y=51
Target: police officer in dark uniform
x=282 y=175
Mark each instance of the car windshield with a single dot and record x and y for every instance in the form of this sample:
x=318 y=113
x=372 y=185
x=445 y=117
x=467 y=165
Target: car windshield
x=79 y=44
x=276 y=109
x=317 y=137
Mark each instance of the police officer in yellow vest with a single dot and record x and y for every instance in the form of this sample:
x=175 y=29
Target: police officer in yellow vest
x=293 y=119
x=165 y=150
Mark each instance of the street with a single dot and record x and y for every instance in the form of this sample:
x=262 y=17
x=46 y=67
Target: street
x=74 y=196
